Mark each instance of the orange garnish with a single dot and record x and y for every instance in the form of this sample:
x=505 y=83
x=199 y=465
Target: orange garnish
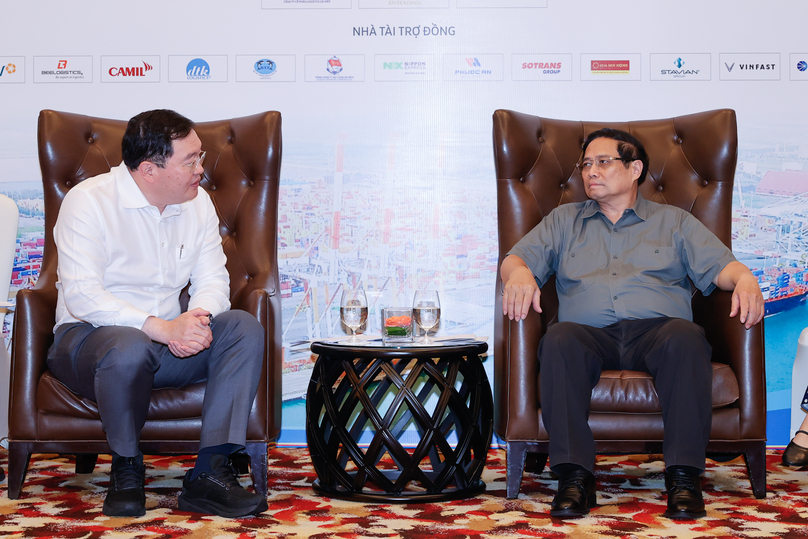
x=398 y=321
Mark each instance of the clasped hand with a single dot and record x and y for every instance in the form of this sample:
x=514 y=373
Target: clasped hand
x=190 y=333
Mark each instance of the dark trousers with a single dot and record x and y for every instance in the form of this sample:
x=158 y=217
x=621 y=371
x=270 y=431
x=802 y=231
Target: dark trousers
x=117 y=367
x=673 y=351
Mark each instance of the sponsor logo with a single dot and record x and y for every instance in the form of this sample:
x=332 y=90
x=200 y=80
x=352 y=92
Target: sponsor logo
x=802 y=65
x=130 y=71
x=679 y=73
x=265 y=67
x=8 y=68
x=198 y=69
x=547 y=68
x=749 y=66
x=334 y=66
x=473 y=62
x=729 y=66
x=755 y=67
x=62 y=72
x=610 y=67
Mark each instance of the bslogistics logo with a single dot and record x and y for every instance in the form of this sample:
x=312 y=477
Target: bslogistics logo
x=198 y=69
x=265 y=67
x=802 y=65
x=11 y=68
x=130 y=71
x=334 y=66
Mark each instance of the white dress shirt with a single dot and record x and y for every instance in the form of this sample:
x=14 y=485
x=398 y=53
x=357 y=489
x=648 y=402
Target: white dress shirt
x=121 y=260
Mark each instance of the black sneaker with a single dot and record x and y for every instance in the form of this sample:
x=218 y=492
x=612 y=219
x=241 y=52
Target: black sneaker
x=219 y=493
x=126 y=496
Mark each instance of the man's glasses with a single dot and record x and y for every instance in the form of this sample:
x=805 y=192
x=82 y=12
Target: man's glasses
x=602 y=163
x=195 y=163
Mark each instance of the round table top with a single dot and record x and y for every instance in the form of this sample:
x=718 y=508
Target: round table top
x=377 y=349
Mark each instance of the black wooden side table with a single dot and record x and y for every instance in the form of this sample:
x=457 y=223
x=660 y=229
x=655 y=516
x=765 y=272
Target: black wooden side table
x=382 y=395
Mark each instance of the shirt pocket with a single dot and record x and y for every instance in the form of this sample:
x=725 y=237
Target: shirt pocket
x=579 y=270
x=660 y=265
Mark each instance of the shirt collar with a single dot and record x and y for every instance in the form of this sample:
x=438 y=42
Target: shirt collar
x=132 y=197
x=640 y=208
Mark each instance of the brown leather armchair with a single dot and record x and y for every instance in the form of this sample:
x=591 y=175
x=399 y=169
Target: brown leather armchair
x=692 y=165
x=242 y=175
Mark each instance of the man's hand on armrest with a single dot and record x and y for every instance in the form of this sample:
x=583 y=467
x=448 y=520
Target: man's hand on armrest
x=519 y=289
x=747 y=300
x=186 y=335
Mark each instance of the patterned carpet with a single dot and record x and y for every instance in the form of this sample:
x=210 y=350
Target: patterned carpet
x=57 y=503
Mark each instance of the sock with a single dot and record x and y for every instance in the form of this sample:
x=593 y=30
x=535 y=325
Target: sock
x=203 y=458
x=689 y=470
x=566 y=467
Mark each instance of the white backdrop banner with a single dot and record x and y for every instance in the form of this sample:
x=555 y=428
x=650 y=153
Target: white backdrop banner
x=388 y=180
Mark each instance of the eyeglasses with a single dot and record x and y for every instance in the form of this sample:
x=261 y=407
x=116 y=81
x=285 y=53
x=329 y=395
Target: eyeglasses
x=603 y=162
x=195 y=163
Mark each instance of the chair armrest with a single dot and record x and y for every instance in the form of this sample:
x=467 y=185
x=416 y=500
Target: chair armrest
x=516 y=374
x=258 y=298
x=32 y=335
x=743 y=351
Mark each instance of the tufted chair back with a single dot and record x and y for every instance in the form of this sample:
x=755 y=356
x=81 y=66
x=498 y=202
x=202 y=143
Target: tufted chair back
x=691 y=165
x=242 y=175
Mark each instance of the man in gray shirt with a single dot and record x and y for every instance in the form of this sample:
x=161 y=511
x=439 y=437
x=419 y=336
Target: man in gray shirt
x=623 y=268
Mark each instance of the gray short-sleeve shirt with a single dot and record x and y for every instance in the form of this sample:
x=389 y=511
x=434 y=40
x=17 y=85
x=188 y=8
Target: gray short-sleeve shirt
x=634 y=269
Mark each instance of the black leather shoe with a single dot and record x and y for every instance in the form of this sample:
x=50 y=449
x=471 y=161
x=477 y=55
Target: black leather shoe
x=575 y=496
x=126 y=496
x=219 y=492
x=684 y=494
x=795 y=455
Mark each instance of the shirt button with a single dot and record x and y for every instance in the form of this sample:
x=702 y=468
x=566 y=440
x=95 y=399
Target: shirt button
x=615 y=229
x=162 y=244
x=614 y=297
x=615 y=257
x=614 y=273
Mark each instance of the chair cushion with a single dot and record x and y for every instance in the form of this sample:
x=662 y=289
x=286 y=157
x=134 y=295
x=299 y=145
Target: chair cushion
x=53 y=397
x=634 y=392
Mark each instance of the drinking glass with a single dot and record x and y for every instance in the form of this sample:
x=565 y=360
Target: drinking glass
x=353 y=310
x=426 y=311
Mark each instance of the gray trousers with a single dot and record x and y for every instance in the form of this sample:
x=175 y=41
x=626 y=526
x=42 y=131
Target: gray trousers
x=674 y=351
x=117 y=367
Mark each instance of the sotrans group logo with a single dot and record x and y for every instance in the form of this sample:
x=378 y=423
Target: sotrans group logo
x=198 y=69
x=334 y=66
x=265 y=67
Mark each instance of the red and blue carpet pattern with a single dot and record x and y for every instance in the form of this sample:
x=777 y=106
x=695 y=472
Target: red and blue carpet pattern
x=58 y=503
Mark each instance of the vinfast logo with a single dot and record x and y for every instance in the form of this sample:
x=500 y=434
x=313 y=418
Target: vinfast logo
x=334 y=66
x=11 y=68
x=473 y=62
x=130 y=71
x=198 y=69
x=729 y=66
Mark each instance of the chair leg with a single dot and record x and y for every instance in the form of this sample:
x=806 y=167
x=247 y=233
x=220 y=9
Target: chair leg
x=18 y=458
x=756 y=467
x=258 y=466
x=535 y=462
x=516 y=453
x=85 y=462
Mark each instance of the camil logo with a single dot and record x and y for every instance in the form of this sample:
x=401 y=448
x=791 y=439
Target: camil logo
x=130 y=71
x=198 y=69
x=10 y=68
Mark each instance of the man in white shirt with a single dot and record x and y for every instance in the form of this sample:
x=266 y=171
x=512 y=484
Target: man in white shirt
x=128 y=242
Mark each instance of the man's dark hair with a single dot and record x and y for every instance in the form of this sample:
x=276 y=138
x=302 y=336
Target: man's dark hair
x=629 y=148
x=149 y=137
